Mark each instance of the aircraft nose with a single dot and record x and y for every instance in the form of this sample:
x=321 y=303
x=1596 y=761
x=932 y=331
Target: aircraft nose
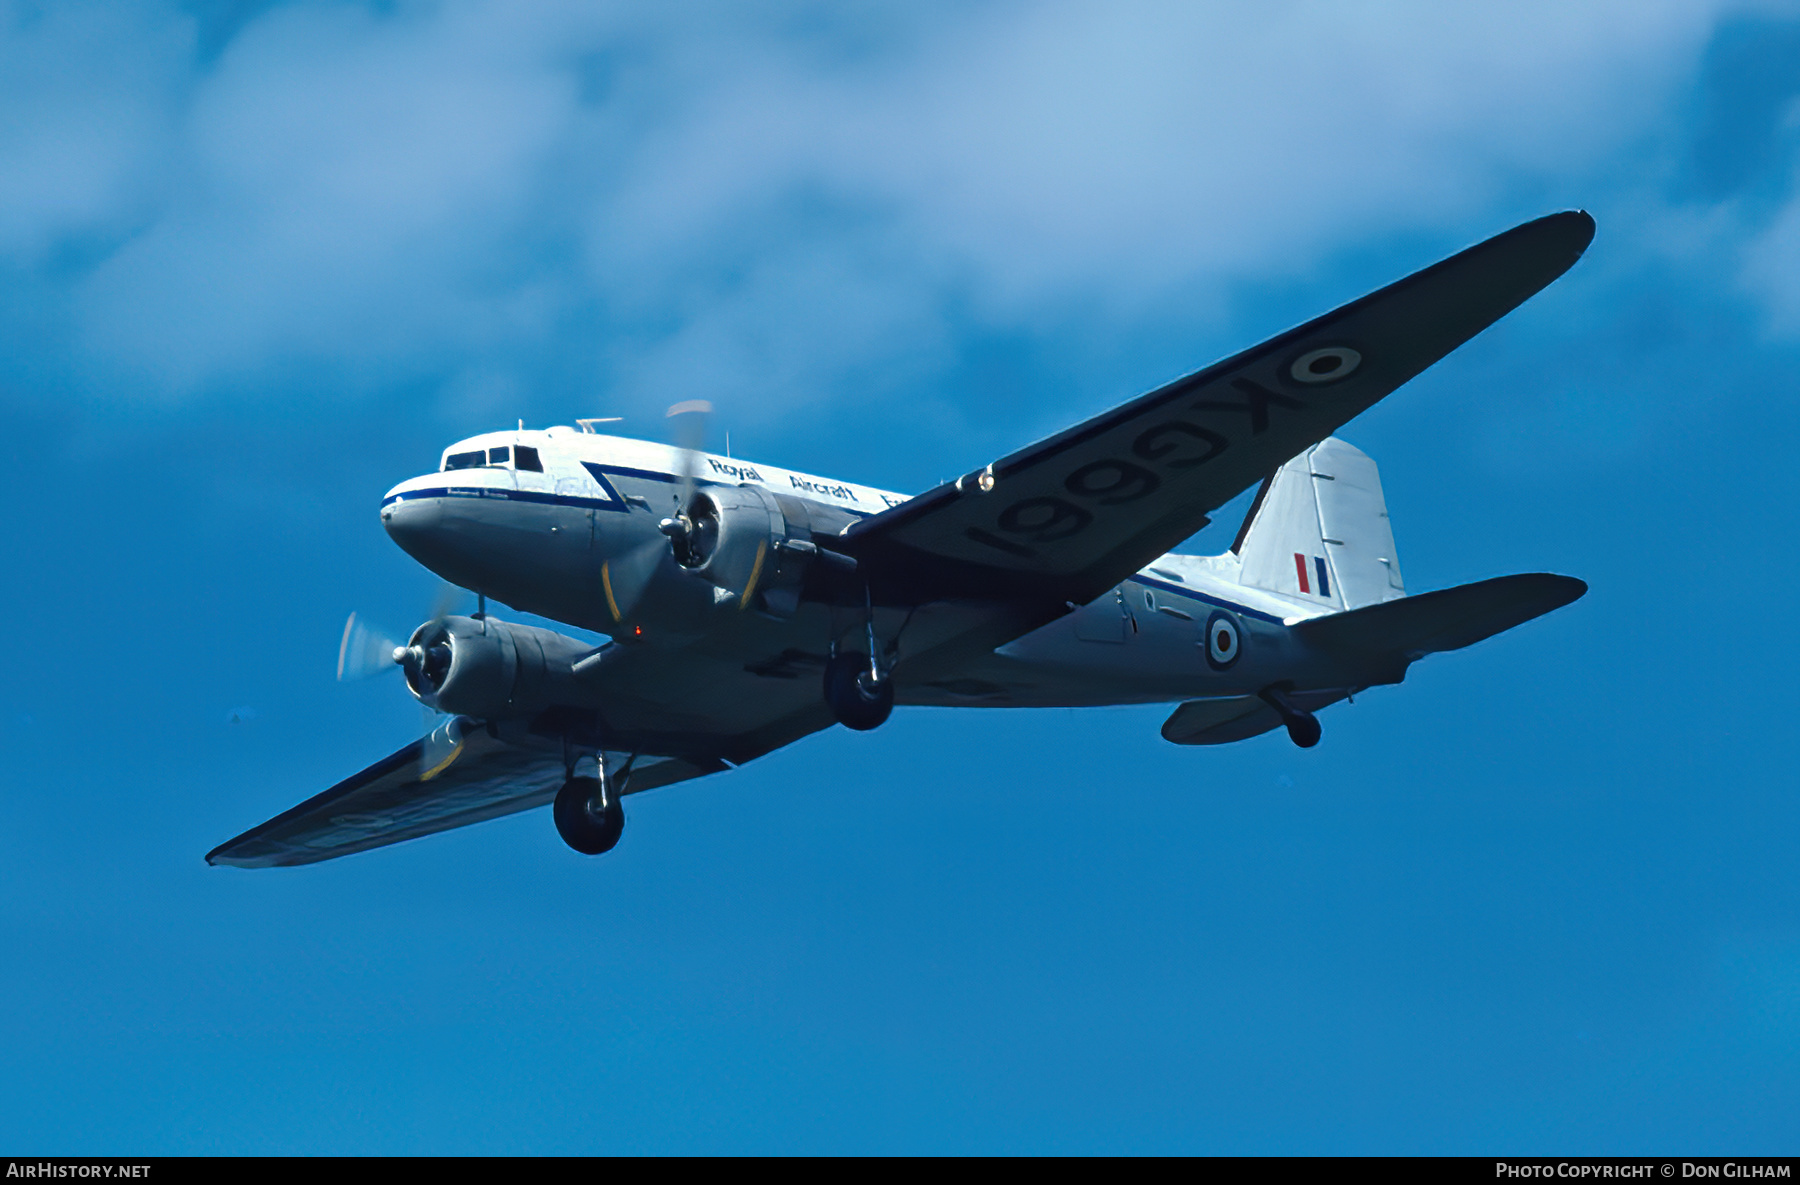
x=413 y=524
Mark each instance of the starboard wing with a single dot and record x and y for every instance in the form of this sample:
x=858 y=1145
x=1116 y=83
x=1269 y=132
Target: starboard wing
x=1068 y=517
x=459 y=775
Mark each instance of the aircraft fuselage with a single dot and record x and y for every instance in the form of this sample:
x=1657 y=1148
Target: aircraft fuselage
x=536 y=539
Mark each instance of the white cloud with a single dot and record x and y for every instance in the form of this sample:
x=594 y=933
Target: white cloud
x=1128 y=147
x=774 y=201
x=1771 y=258
x=89 y=95
x=346 y=183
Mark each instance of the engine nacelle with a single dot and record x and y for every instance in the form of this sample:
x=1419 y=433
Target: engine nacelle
x=491 y=669
x=754 y=544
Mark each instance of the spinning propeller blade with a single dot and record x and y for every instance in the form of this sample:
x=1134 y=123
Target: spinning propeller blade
x=690 y=435
x=447 y=596
x=442 y=745
x=366 y=650
x=626 y=578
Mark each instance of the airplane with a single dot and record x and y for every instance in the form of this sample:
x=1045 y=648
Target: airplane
x=746 y=606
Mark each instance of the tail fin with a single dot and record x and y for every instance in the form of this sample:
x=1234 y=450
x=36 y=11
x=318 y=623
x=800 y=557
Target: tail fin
x=1319 y=531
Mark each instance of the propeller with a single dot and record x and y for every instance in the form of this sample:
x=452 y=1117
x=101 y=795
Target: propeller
x=439 y=747
x=364 y=651
x=690 y=437
x=367 y=650
x=626 y=578
x=690 y=434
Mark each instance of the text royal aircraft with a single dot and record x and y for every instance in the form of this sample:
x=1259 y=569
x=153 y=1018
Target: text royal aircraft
x=748 y=606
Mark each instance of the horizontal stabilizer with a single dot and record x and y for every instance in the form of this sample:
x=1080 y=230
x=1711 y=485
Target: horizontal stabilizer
x=1449 y=619
x=1235 y=718
x=1219 y=721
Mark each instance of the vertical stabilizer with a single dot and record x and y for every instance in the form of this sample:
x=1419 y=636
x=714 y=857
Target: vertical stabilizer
x=1319 y=531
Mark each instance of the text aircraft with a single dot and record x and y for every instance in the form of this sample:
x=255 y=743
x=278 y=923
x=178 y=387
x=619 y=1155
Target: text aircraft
x=748 y=606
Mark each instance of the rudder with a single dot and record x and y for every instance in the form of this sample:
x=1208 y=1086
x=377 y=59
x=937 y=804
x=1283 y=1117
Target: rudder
x=1319 y=531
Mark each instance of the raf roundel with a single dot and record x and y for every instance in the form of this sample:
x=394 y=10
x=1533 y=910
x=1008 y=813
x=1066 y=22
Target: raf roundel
x=1224 y=639
x=1327 y=365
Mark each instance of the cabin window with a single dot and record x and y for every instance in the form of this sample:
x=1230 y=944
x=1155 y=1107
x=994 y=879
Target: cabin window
x=526 y=457
x=474 y=460
x=498 y=456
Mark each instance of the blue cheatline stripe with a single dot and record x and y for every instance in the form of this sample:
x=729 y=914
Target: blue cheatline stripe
x=507 y=496
x=595 y=468
x=597 y=472
x=1219 y=602
x=599 y=476
x=1324 y=580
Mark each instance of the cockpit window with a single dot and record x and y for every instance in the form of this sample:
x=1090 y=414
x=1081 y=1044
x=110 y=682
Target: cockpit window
x=474 y=460
x=497 y=456
x=526 y=457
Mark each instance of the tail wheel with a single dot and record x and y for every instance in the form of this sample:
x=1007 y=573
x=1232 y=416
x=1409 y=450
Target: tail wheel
x=589 y=820
x=856 y=700
x=1304 y=730
x=1302 y=726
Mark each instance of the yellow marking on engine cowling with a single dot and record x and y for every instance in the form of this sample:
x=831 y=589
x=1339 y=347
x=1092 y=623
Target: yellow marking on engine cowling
x=762 y=549
x=606 y=583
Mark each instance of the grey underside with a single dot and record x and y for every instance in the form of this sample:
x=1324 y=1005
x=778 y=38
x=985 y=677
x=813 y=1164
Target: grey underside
x=394 y=800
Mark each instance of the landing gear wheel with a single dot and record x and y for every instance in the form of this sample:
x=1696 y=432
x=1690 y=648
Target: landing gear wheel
x=586 y=825
x=1304 y=730
x=857 y=701
x=1302 y=726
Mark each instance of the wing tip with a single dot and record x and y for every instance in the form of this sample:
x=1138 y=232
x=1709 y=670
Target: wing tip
x=1570 y=588
x=1571 y=230
x=222 y=857
x=219 y=857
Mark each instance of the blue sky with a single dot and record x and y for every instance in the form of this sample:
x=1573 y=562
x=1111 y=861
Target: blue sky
x=260 y=261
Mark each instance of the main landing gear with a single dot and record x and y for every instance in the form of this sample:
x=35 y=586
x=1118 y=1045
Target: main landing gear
x=588 y=813
x=859 y=692
x=858 y=697
x=1303 y=726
